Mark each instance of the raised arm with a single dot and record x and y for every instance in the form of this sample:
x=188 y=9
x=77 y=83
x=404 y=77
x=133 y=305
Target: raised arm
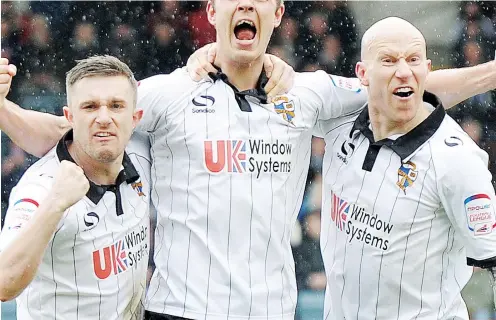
x=35 y=132
x=453 y=86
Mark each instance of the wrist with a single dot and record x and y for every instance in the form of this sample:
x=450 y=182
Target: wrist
x=54 y=205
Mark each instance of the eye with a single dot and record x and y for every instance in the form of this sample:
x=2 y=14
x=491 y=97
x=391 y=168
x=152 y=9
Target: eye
x=117 y=105
x=90 y=106
x=415 y=59
x=387 y=61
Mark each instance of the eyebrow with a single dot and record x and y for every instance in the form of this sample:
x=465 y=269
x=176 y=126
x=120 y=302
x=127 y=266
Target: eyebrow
x=97 y=101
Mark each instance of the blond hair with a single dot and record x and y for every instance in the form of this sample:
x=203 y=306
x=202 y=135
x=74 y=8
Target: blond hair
x=100 y=66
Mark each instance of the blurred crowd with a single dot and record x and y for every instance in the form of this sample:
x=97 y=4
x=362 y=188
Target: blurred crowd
x=44 y=38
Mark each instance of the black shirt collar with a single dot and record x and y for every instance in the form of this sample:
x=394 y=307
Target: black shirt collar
x=405 y=145
x=96 y=192
x=240 y=96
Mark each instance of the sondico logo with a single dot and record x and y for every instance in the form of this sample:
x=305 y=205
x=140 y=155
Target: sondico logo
x=247 y=156
x=121 y=255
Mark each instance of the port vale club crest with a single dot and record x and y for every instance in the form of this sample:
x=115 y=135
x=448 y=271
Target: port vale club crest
x=284 y=107
x=406 y=175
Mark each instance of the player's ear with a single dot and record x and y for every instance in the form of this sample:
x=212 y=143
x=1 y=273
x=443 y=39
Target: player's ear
x=211 y=12
x=429 y=65
x=361 y=73
x=68 y=114
x=137 y=115
x=279 y=14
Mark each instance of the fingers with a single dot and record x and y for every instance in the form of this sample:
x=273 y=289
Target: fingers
x=7 y=71
x=12 y=70
x=5 y=67
x=212 y=53
x=201 y=62
x=193 y=72
x=268 y=65
x=285 y=82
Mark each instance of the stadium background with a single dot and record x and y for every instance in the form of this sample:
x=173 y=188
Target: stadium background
x=44 y=38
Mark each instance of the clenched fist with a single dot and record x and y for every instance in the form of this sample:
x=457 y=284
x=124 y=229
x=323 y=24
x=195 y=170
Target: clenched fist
x=70 y=186
x=7 y=71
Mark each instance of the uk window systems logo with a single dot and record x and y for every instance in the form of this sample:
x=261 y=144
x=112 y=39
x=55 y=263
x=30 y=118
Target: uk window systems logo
x=122 y=254
x=339 y=211
x=230 y=155
x=115 y=260
x=253 y=156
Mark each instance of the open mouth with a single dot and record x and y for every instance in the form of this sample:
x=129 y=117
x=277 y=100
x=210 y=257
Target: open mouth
x=245 y=30
x=103 y=135
x=403 y=92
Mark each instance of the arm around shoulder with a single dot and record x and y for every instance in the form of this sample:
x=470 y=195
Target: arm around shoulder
x=453 y=86
x=35 y=132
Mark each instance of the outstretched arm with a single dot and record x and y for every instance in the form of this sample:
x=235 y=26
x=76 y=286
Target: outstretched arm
x=35 y=132
x=453 y=86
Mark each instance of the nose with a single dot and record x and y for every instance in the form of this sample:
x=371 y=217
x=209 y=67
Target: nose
x=246 y=5
x=103 y=117
x=403 y=69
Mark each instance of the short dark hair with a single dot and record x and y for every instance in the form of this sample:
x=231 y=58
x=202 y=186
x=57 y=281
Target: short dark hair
x=105 y=66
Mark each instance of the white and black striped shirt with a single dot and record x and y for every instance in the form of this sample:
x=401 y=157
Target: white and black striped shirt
x=400 y=218
x=95 y=264
x=228 y=178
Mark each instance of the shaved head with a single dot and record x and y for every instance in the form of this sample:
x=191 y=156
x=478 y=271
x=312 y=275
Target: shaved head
x=388 y=27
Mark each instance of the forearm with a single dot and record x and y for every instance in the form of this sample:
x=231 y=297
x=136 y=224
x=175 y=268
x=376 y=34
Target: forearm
x=19 y=261
x=35 y=132
x=453 y=86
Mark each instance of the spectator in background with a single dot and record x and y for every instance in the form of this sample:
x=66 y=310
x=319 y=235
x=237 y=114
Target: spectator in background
x=201 y=31
x=123 y=44
x=342 y=24
x=168 y=51
x=285 y=42
x=473 y=26
x=331 y=58
x=85 y=41
x=315 y=27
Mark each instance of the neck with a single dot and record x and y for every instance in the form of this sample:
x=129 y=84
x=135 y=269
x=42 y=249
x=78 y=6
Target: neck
x=382 y=127
x=243 y=76
x=100 y=173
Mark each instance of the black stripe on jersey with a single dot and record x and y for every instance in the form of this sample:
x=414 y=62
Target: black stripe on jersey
x=117 y=278
x=208 y=212
x=230 y=210
x=132 y=269
x=410 y=232
x=187 y=215
x=345 y=244
x=363 y=244
x=460 y=301
x=168 y=218
x=425 y=262
x=74 y=263
x=382 y=257
x=158 y=241
x=270 y=223
x=251 y=230
x=323 y=177
x=53 y=274
x=445 y=253
x=98 y=282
